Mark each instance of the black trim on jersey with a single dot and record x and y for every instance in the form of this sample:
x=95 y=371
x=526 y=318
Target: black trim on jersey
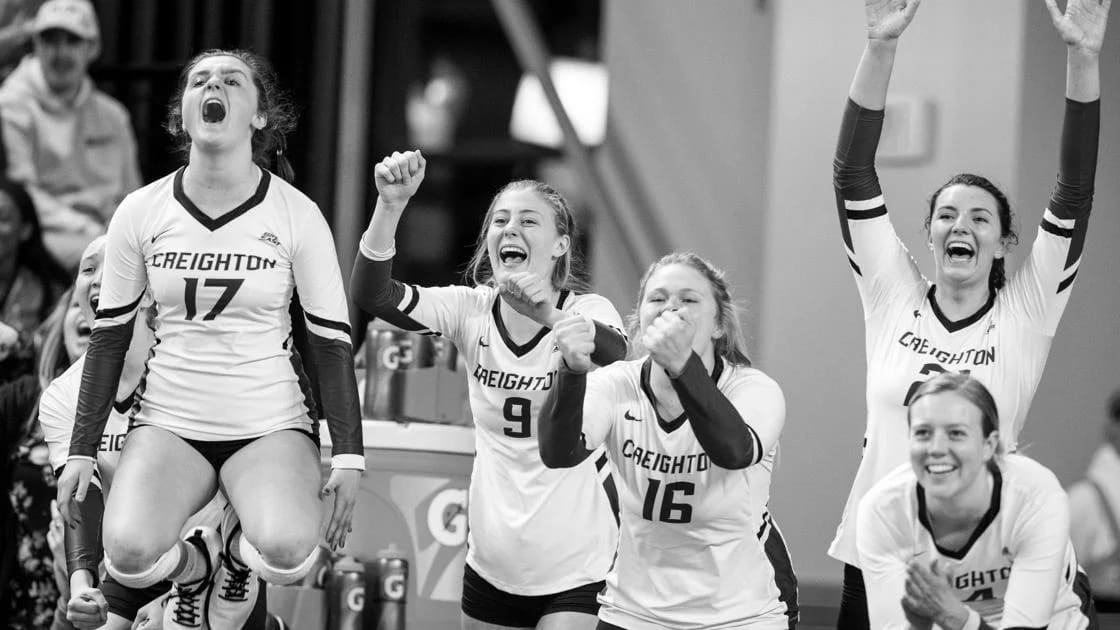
x=780 y=562
x=327 y=323
x=960 y=324
x=1084 y=592
x=1056 y=230
x=863 y=215
x=215 y=223
x=854 y=266
x=122 y=406
x=109 y=313
x=981 y=527
x=609 y=488
x=1064 y=284
x=522 y=350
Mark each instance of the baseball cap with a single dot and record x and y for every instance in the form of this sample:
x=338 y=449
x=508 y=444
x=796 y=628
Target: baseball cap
x=75 y=16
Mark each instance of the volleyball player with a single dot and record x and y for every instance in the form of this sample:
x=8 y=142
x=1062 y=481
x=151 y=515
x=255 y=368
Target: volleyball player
x=962 y=536
x=106 y=604
x=970 y=316
x=540 y=541
x=692 y=431
x=223 y=244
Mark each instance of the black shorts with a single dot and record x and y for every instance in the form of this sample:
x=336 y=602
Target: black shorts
x=485 y=602
x=218 y=451
x=125 y=601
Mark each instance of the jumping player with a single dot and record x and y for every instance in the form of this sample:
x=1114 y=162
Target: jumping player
x=969 y=317
x=964 y=537
x=223 y=244
x=108 y=604
x=540 y=541
x=692 y=431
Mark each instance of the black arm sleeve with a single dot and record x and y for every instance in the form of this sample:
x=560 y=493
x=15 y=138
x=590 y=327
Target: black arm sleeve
x=333 y=362
x=100 y=376
x=728 y=440
x=83 y=543
x=853 y=168
x=1073 y=194
x=373 y=289
x=560 y=424
x=610 y=345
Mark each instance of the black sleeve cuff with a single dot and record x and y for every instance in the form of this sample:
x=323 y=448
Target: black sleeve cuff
x=854 y=164
x=1073 y=193
x=610 y=345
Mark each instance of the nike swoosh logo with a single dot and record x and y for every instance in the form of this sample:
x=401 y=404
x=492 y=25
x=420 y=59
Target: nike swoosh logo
x=630 y=417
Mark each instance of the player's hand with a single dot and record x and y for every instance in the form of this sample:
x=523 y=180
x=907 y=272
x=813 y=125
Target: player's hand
x=575 y=338
x=72 y=486
x=887 y=19
x=343 y=485
x=1083 y=23
x=87 y=608
x=530 y=295
x=929 y=595
x=56 y=542
x=669 y=340
x=398 y=176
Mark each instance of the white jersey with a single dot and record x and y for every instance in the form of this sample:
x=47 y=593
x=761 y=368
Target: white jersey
x=1017 y=570
x=223 y=366
x=691 y=551
x=57 y=406
x=532 y=530
x=908 y=339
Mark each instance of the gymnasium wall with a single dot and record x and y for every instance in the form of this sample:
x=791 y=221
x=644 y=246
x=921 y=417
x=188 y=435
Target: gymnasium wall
x=729 y=116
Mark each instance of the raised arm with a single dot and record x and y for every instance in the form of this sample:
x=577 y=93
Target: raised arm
x=886 y=20
x=1082 y=28
x=397 y=177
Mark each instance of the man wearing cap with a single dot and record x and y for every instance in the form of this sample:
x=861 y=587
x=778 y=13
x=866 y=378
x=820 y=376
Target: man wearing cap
x=70 y=144
x=1094 y=509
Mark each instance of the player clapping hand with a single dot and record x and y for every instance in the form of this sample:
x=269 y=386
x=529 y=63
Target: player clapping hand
x=669 y=339
x=575 y=337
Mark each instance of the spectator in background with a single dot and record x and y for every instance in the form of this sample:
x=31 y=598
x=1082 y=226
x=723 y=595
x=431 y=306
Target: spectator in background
x=70 y=144
x=30 y=280
x=1094 y=504
x=28 y=592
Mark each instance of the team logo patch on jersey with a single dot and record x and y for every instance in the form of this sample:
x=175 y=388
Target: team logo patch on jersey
x=628 y=416
x=269 y=237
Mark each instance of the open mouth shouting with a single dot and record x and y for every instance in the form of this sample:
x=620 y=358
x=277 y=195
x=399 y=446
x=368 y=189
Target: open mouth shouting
x=959 y=252
x=213 y=111
x=512 y=255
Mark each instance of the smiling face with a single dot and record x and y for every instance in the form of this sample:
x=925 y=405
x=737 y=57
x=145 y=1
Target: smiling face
x=948 y=449
x=522 y=235
x=680 y=287
x=220 y=102
x=965 y=234
x=87 y=286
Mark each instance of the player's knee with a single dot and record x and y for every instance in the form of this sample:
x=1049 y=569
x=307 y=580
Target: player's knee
x=132 y=555
x=286 y=551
